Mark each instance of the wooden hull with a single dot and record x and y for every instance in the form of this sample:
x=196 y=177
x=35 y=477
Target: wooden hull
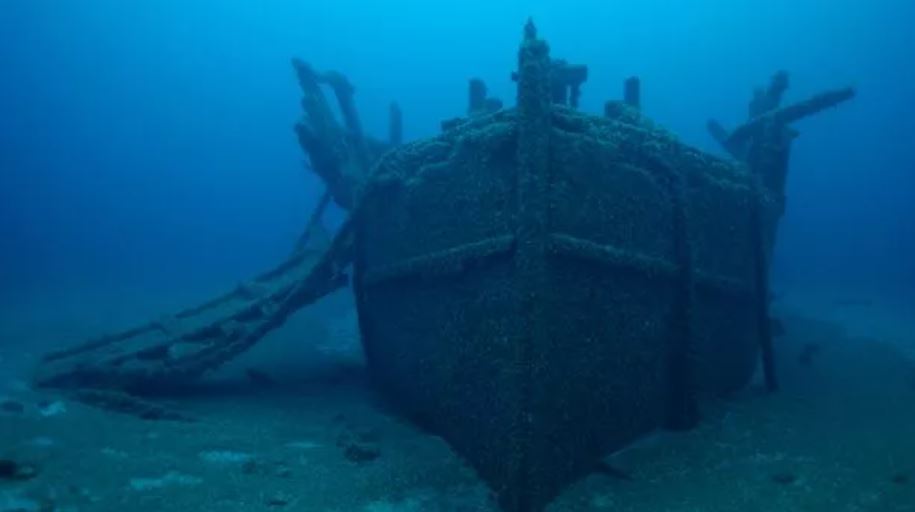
x=535 y=355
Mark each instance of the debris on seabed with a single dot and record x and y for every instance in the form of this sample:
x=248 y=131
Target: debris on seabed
x=52 y=408
x=226 y=457
x=10 y=406
x=170 y=479
x=13 y=470
x=784 y=478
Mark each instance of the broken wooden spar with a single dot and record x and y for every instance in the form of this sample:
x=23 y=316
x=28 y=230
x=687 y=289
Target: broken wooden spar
x=787 y=115
x=177 y=349
x=767 y=114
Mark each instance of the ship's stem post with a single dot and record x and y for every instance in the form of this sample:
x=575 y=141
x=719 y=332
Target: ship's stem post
x=534 y=106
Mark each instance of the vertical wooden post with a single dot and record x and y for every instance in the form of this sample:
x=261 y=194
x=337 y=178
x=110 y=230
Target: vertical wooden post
x=476 y=101
x=534 y=111
x=683 y=405
x=395 y=125
x=632 y=93
x=763 y=320
x=765 y=158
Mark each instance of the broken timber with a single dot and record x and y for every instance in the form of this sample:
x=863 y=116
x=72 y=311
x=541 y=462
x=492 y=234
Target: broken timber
x=765 y=110
x=173 y=351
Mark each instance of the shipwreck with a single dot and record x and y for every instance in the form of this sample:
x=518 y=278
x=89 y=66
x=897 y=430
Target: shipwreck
x=538 y=285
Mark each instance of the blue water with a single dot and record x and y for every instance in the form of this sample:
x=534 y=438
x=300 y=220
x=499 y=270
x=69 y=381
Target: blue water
x=148 y=161
x=152 y=143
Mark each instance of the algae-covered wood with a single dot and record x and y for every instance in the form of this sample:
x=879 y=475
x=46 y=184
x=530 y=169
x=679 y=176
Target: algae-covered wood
x=541 y=286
